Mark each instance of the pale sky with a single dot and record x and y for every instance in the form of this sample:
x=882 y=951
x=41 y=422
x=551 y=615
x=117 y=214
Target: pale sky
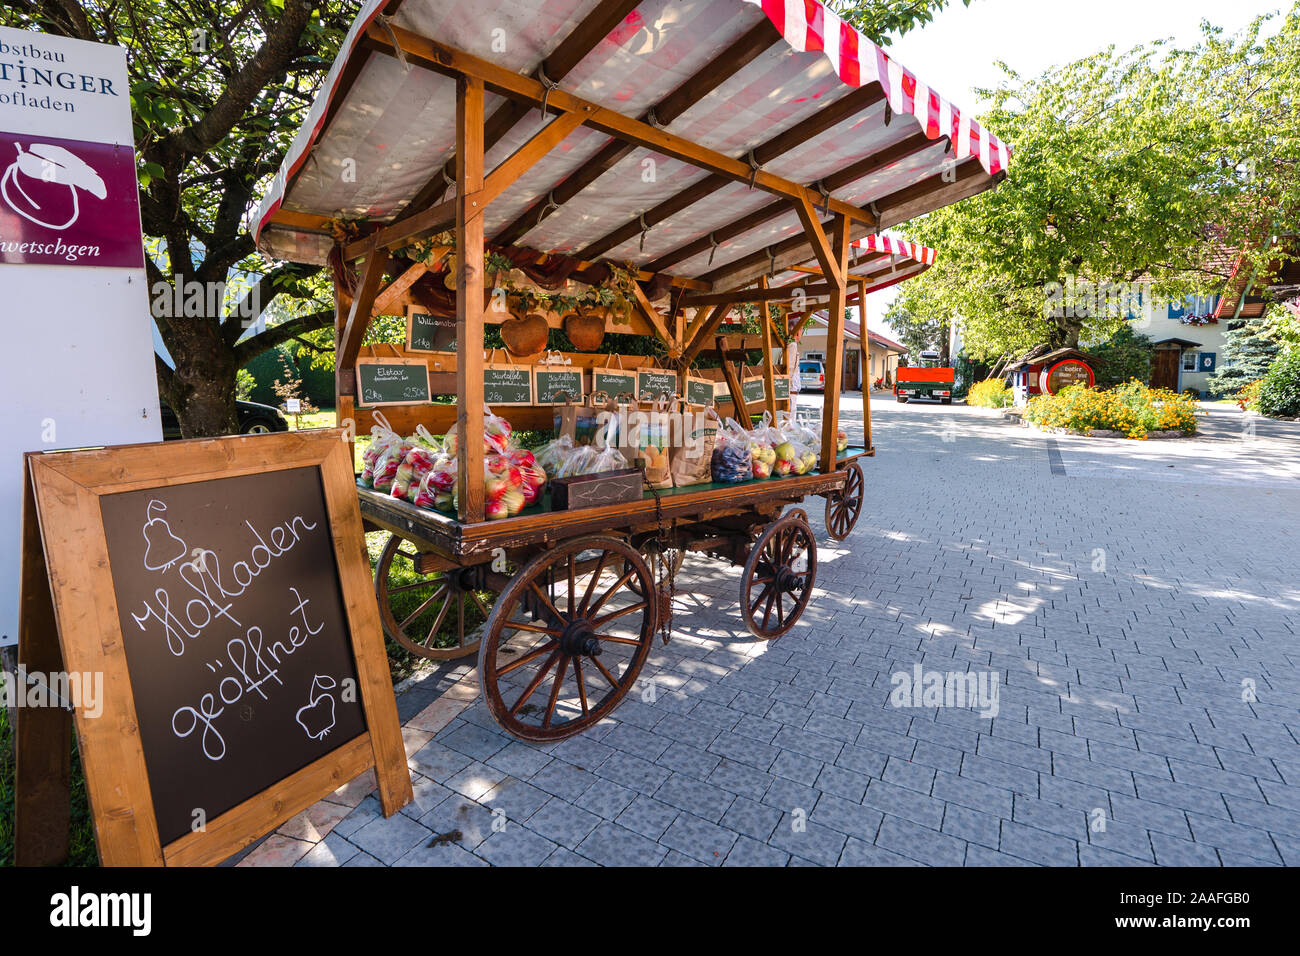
x=956 y=53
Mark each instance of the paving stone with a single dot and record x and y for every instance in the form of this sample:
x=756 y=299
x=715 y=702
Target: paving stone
x=331 y=851
x=920 y=843
x=648 y=817
x=694 y=796
x=387 y=840
x=699 y=839
x=1038 y=846
x=517 y=799
x=458 y=820
x=563 y=780
x=515 y=846
x=908 y=804
x=563 y=823
x=847 y=816
x=749 y=852
x=612 y=845
x=751 y=819
x=860 y=853
x=606 y=799
x=808 y=841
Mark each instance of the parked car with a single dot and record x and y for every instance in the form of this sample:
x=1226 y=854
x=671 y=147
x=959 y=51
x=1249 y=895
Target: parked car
x=812 y=376
x=254 y=419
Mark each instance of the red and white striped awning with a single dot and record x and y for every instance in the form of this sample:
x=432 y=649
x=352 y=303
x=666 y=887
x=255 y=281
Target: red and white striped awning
x=900 y=249
x=381 y=130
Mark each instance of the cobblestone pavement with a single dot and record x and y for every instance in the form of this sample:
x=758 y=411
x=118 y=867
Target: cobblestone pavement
x=1136 y=606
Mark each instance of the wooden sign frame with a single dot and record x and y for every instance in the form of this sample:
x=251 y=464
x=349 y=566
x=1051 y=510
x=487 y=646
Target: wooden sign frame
x=525 y=370
x=541 y=400
x=421 y=363
x=707 y=383
x=74 y=621
x=411 y=312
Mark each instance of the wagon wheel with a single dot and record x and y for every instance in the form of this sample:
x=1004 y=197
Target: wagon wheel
x=567 y=639
x=779 y=574
x=417 y=609
x=844 y=506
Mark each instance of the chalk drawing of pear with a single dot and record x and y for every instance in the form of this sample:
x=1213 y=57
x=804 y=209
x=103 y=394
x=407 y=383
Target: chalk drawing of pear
x=317 y=717
x=46 y=163
x=162 y=549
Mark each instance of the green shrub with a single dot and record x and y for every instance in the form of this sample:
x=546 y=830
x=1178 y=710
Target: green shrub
x=1131 y=409
x=1123 y=357
x=1279 y=395
x=990 y=393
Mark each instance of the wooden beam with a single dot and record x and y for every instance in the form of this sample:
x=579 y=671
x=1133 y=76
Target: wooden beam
x=397 y=288
x=864 y=336
x=426 y=52
x=584 y=38
x=769 y=383
x=894 y=154
x=722 y=67
x=469 y=297
x=826 y=257
x=797 y=135
x=733 y=383
x=707 y=328
x=837 y=264
x=656 y=320
x=360 y=313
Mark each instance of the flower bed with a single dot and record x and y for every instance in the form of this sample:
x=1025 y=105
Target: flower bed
x=990 y=393
x=1131 y=410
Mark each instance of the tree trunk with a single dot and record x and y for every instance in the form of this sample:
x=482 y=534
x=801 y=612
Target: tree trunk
x=201 y=389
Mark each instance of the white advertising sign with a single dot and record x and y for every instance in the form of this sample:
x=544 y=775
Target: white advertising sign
x=75 y=298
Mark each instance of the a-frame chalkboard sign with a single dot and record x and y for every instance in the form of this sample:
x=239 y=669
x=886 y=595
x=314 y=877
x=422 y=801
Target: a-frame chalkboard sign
x=221 y=588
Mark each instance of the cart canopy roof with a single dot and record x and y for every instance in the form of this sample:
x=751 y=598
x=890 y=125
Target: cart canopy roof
x=781 y=85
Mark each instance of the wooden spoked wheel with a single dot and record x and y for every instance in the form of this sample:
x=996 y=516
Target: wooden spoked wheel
x=567 y=638
x=777 y=582
x=438 y=615
x=844 y=507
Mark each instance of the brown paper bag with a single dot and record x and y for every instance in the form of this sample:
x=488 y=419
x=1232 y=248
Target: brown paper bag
x=692 y=456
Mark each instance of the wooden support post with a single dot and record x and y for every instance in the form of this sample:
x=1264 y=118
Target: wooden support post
x=469 y=296
x=42 y=777
x=866 y=349
x=836 y=265
x=706 y=328
x=739 y=406
x=769 y=384
x=361 y=312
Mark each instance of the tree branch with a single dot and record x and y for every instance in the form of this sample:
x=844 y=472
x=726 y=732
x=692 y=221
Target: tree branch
x=251 y=348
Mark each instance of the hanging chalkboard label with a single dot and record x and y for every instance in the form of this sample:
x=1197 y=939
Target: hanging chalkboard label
x=613 y=382
x=781 y=387
x=721 y=392
x=429 y=333
x=221 y=589
x=557 y=385
x=508 y=385
x=700 y=391
x=753 y=390
x=655 y=384
x=392 y=382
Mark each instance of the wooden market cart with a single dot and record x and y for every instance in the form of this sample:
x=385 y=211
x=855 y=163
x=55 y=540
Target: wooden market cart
x=686 y=162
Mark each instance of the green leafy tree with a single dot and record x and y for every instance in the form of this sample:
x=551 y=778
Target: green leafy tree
x=218 y=90
x=919 y=325
x=1247 y=354
x=1128 y=168
x=877 y=19
x=1279 y=393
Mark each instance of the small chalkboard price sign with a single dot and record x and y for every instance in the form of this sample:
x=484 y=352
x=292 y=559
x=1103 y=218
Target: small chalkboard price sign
x=655 y=384
x=557 y=385
x=220 y=587
x=392 y=381
x=753 y=390
x=429 y=333
x=781 y=387
x=700 y=391
x=613 y=382
x=508 y=384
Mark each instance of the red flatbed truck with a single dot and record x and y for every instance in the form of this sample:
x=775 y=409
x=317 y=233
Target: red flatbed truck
x=930 y=379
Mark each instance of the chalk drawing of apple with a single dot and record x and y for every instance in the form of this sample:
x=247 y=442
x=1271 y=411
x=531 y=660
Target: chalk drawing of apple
x=317 y=717
x=40 y=169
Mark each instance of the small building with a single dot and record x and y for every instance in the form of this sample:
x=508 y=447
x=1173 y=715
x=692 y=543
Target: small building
x=1025 y=375
x=882 y=358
